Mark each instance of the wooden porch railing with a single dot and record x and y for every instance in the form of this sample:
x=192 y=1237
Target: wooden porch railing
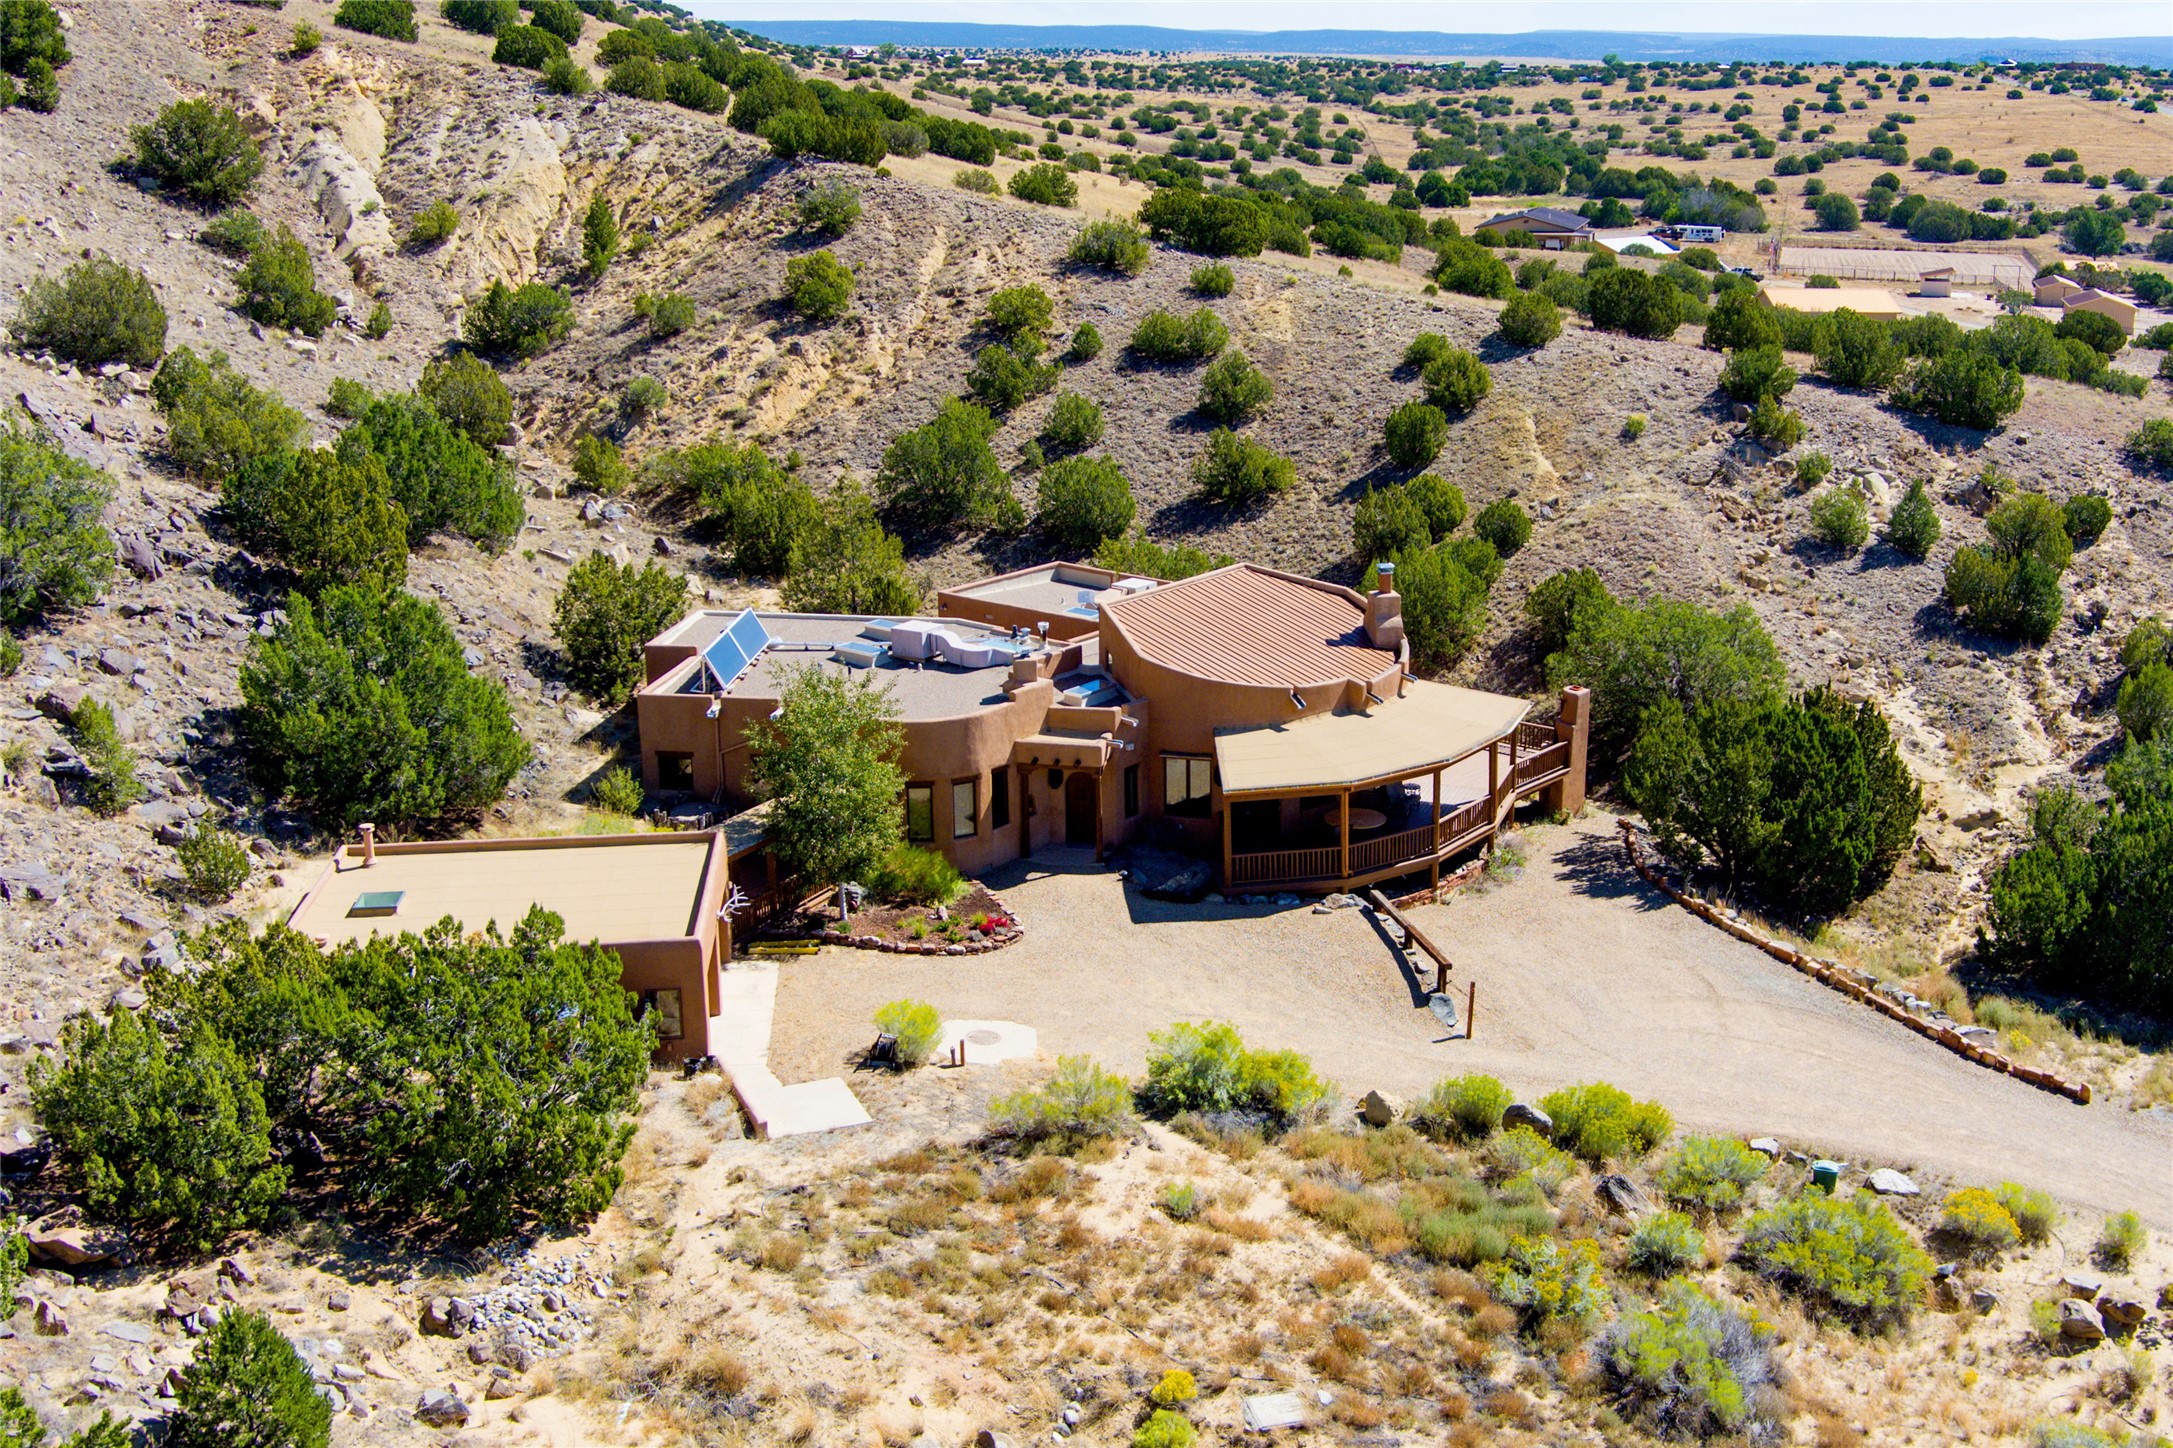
x=1551 y=760
x=1534 y=736
x=1385 y=850
x=1281 y=867
x=1461 y=822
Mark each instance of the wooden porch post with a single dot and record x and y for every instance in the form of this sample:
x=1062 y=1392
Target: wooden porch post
x=1226 y=844
x=1493 y=774
x=1344 y=818
x=1436 y=806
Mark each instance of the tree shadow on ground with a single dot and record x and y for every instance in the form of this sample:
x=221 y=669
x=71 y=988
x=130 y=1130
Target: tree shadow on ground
x=1594 y=866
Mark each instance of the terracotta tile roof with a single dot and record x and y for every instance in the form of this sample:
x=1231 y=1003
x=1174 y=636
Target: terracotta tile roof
x=1248 y=625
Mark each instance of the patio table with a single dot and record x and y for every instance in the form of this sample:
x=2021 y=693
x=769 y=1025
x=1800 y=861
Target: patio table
x=1361 y=819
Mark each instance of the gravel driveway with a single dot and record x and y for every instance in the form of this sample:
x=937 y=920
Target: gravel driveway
x=1583 y=974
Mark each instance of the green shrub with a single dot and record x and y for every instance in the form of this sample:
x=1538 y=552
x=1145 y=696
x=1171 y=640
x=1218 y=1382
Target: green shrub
x=1424 y=349
x=1555 y=603
x=168 y=1136
x=1504 y=524
x=1164 y=1429
x=1136 y=556
x=2145 y=703
x=1441 y=501
x=1232 y=389
x=1207 y=1068
x=1213 y=280
x=561 y=17
x=916 y=1027
x=11 y=662
x=347 y=399
x=2122 y=1239
x=1465 y=1108
x=1847 y=1259
x=361 y=707
x=1812 y=469
x=112 y=785
x=1962 y=389
x=466 y=392
x=644 y=398
x=908 y=875
x=433 y=224
x=279 y=287
x=2011 y=585
x=444 y=480
x=1180 y=1201
x=689 y=86
x=328 y=516
x=1167 y=338
x=529 y=47
x=1978 y=1222
x=14 y=1261
x=55 y=551
x=1757 y=373
x=1840 y=520
x=1740 y=321
x=605 y=613
x=1664 y=1244
x=1711 y=1174
x=380 y=322
x=1074 y=425
x=1444 y=592
x=2034 y=1212
x=1624 y=299
x=215 y=421
x=599 y=234
x=1086 y=343
x=1914 y=528
x=2086 y=517
x=667 y=315
x=1236 y=469
x=1521 y=1151
x=1046 y=184
x=1414 y=433
x=943 y=476
x=1547 y=1280
x=1456 y=381
x=2066 y=1432
x=1599 y=1122
x=1083 y=501
x=100 y=311
x=389 y=19
x=617 y=791
x=1464 y=266
x=484 y=17
x=1633 y=427
x=1003 y=377
x=30 y=30
x=977 y=180
x=517 y=322
x=2152 y=444
x=1693 y=1367
x=1530 y=320
x=819 y=286
x=563 y=76
x=1020 y=314
x=830 y=207
x=248 y=1388
x=1175 y=1387
x=1078 y=1103
x=214 y=863
x=200 y=150
x=236 y=232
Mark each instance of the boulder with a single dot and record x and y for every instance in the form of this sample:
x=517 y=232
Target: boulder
x=1766 y=1147
x=2085 y=1285
x=447 y=1317
x=2122 y=1309
x=29 y=882
x=1890 y=1183
x=1521 y=1114
x=2078 y=1323
x=1380 y=1109
x=441 y=1409
x=1623 y=1197
x=71 y=1244
x=49 y=1320
x=61 y=701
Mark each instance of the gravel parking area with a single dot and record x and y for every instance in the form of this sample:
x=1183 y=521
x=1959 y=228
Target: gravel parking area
x=1582 y=974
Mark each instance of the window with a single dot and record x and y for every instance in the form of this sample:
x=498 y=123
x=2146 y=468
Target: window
x=920 y=812
x=378 y=902
x=1131 y=790
x=965 y=808
x=1185 y=785
x=662 y=1007
x=674 y=770
x=999 y=799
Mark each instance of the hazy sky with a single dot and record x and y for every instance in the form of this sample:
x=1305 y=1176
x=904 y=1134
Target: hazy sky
x=1774 y=17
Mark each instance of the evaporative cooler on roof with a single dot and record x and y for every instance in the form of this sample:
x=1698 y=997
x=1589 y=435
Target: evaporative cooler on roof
x=734 y=651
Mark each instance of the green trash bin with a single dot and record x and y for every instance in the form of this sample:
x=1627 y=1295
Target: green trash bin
x=1825 y=1175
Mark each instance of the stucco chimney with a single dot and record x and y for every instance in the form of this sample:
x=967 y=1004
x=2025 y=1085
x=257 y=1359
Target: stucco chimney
x=1384 y=609
x=369 y=843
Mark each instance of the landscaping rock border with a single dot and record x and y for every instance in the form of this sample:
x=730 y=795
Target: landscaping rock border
x=1856 y=983
x=982 y=946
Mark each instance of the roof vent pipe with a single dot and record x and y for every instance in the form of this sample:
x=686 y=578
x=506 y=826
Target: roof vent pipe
x=369 y=844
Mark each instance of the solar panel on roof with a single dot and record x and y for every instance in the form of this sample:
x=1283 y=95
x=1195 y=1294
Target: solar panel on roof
x=734 y=651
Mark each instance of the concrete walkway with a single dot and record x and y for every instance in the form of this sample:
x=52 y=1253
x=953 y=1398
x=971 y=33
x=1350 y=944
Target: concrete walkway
x=739 y=1037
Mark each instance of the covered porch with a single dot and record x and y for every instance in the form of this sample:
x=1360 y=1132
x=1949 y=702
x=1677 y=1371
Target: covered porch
x=1344 y=800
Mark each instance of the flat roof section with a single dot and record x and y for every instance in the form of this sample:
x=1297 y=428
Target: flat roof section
x=615 y=889
x=1248 y=625
x=1431 y=724
x=1056 y=588
x=933 y=690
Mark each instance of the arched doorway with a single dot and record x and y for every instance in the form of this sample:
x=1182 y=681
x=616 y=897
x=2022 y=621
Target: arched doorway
x=1082 y=806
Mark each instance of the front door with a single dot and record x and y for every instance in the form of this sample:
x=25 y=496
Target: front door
x=1082 y=806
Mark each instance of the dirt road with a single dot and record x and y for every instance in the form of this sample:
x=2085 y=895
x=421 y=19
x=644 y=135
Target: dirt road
x=1583 y=974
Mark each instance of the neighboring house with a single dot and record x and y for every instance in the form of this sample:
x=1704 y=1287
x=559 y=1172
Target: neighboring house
x=1550 y=226
x=2052 y=291
x=1265 y=720
x=2105 y=304
x=1864 y=301
x=1938 y=282
x=658 y=900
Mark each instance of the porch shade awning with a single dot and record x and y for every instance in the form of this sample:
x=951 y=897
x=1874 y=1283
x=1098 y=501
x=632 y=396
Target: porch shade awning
x=1432 y=724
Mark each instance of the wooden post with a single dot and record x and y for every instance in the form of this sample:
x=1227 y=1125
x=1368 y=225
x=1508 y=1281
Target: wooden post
x=1471 y=1004
x=1226 y=843
x=1343 y=862
x=1436 y=805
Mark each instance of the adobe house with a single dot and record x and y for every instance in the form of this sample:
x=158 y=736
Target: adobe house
x=1059 y=600
x=1265 y=720
x=1553 y=228
x=2105 y=304
x=658 y=901
x=2052 y=290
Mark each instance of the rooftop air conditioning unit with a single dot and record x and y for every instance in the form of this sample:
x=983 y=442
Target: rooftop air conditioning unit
x=859 y=655
x=1129 y=586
